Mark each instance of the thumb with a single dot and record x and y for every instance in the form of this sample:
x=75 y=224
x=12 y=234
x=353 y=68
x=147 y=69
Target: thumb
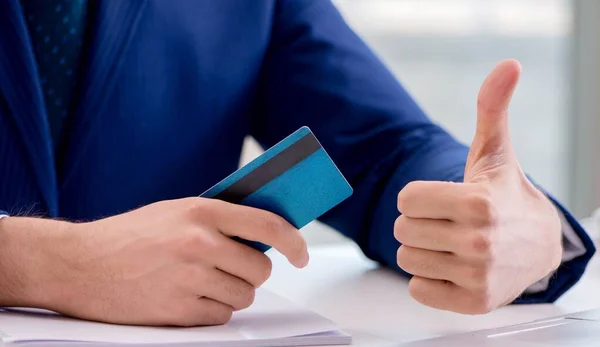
x=491 y=145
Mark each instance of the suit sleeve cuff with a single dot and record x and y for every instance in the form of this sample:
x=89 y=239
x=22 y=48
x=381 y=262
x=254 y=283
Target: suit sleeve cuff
x=578 y=249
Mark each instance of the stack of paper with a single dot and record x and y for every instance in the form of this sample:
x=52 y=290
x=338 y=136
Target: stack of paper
x=270 y=321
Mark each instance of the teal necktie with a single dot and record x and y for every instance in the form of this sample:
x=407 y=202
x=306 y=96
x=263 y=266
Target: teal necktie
x=57 y=29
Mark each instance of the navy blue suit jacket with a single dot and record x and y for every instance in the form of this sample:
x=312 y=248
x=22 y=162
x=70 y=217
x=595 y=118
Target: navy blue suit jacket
x=171 y=88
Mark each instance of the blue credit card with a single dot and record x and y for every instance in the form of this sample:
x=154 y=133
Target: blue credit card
x=295 y=179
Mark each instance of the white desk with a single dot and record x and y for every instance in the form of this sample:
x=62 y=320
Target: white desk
x=373 y=304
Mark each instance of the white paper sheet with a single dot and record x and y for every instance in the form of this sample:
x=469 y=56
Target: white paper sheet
x=270 y=317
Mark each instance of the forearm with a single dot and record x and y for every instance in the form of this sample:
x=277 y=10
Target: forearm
x=27 y=254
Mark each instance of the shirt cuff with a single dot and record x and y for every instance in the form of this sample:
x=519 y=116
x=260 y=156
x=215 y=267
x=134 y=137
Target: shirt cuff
x=573 y=247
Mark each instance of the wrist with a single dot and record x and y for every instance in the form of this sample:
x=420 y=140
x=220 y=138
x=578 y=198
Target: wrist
x=29 y=262
x=553 y=230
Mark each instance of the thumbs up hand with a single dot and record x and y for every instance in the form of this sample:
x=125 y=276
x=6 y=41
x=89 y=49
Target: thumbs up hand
x=475 y=246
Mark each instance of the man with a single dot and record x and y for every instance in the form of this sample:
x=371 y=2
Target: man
x=116 y=114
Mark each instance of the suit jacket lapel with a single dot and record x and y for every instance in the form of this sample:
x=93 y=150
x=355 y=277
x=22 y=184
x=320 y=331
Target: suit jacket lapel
x=19 y=86
x=116 y=22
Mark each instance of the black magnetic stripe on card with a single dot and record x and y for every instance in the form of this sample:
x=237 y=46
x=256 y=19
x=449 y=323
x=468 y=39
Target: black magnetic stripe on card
x=271 y=169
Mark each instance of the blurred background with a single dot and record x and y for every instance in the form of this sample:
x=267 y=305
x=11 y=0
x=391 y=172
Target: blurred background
x=441 y=50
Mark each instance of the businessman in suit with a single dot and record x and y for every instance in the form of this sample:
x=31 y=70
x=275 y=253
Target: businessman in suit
x=115 y=115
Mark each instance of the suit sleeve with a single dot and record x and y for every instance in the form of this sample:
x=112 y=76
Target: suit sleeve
x=319 y=73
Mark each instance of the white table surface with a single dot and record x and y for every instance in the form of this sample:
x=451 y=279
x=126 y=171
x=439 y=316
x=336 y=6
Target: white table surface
x=373 y=303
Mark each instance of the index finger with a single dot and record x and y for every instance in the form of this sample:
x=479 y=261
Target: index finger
x=258 y=225
x=443 y=200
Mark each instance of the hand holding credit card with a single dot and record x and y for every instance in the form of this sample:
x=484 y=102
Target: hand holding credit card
x=295 y=179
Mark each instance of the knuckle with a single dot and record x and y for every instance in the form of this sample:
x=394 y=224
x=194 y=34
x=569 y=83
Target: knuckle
x=279 y=233
x=482 y=297
x=186 y=315
x=242 y=294
x=482 y=207
x=428 y=269
x=479 y=276
x=481 y=244
x=201 y=241
x=234 y=289
x=194 y=205
x=264 y=271
x=247 y=298
x=202 y=210
x=482 y=304
x=194 y=245
x=272 y=224
x=217 y=316
x=223 y=316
